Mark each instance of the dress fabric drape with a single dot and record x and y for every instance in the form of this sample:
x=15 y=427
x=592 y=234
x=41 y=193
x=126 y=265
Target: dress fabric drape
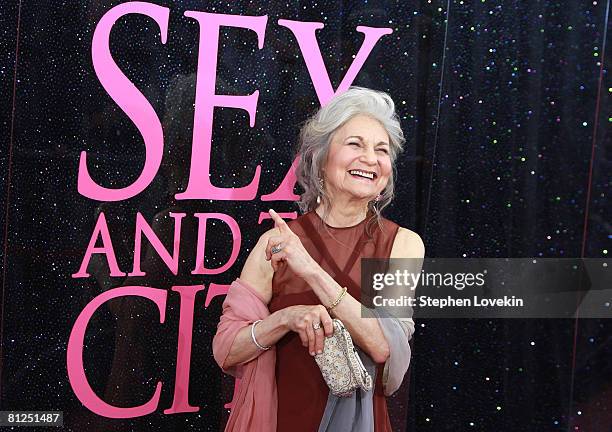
x=302 y=392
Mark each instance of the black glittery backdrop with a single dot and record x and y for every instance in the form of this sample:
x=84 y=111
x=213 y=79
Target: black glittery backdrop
x=506 y=109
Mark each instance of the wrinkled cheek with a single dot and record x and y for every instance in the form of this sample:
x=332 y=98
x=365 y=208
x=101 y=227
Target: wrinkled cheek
x=386 y=166
x=386 y=171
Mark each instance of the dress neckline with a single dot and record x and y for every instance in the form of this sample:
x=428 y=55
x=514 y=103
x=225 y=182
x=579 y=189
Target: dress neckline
x=316 y=215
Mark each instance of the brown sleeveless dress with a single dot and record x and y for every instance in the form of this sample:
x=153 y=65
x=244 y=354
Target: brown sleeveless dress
x=302 y=392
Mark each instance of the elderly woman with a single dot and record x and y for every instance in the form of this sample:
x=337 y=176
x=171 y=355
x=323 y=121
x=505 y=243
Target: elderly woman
x=304 y=272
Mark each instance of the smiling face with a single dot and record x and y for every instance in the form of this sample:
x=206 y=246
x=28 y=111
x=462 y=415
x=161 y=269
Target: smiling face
x=358 y=163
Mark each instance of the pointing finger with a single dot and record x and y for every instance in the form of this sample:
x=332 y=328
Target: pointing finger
x=279 y=222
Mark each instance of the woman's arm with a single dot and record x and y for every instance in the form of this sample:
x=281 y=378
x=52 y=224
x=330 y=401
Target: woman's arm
x=267 y=333
x=366 y=333
x=257 y=272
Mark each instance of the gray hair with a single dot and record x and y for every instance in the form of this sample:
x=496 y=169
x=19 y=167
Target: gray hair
x=315 y=139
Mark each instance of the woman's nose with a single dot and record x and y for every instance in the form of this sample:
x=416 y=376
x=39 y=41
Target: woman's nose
x=369 y=155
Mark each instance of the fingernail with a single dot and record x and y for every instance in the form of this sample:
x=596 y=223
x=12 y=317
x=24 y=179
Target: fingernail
x=319 y=352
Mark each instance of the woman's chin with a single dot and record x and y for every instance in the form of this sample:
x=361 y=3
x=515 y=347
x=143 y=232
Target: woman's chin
x=363 y=195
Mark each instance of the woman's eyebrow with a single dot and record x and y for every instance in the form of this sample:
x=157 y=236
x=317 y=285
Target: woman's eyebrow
x=355 y=136
x=361 y=139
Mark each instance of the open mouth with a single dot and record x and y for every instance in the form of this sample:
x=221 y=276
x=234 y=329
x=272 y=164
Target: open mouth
x=367 y=175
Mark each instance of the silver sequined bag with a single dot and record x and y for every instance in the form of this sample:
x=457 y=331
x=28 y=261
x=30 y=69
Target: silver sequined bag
x=342 y=369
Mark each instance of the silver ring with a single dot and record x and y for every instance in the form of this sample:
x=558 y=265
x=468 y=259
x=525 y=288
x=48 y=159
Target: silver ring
x=316 y=326
x=276 y=249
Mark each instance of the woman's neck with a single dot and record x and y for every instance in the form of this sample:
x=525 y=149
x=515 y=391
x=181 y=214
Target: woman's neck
x=342 y=216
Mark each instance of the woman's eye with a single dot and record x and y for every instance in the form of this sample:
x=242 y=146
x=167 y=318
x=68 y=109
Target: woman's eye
x=384 y=150
x=353 y=143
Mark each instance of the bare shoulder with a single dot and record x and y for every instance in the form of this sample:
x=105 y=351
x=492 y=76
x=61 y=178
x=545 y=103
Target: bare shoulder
x=257 y=271
x=407 y=244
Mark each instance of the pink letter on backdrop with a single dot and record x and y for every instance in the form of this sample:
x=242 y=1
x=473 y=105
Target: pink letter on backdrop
x=129 y=98
x=307 y=40
x=183 y=355
x=101 y=229
x=265 y=215
x=199 y=186
x=201 y=244
x=215 y=290
x=284 y=192
x=142 y=227
x=74 y=360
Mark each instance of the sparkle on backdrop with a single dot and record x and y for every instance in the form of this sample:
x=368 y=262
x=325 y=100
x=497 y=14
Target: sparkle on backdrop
x=498 y=101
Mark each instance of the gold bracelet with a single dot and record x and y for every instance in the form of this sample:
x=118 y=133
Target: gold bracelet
x=334 y=304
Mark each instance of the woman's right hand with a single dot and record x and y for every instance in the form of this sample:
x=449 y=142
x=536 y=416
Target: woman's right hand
x=301 y=318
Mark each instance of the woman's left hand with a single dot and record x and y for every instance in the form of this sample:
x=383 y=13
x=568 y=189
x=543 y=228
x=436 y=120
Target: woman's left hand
x=292 y=251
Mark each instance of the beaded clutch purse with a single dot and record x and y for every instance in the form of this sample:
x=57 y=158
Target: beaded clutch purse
x=342 y=369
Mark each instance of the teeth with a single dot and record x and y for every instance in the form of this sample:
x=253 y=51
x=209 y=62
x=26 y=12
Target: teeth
x=362 y=174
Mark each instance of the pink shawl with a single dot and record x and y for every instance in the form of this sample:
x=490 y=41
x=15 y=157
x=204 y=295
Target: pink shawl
x=256 y=402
